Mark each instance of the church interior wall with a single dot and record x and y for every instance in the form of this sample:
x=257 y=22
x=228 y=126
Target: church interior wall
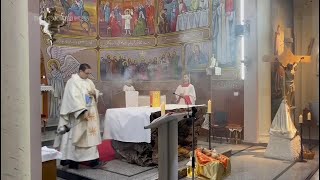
x=306 y=26
x=74 y=46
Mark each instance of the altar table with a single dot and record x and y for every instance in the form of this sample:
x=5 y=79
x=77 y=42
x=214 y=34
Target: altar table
x=127 y=124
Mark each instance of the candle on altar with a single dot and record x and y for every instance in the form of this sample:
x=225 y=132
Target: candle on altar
x=309 y=116
x=209 y=106
x=300 y=119
x=163 y=109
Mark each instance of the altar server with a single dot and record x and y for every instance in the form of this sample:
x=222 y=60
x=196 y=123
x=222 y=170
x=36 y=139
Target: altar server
x=186 y=92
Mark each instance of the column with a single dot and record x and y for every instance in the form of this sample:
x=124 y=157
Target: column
x=20 y=92
x=257 y=83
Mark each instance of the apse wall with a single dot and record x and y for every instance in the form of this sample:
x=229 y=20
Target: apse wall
x=154 y=42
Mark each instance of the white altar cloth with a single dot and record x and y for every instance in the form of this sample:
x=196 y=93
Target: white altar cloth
x=127 y=124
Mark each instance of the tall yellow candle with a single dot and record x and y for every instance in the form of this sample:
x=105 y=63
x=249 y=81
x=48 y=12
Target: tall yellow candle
x=300 y=119
x=209 y=106
x=309 y=116
x=163 y=109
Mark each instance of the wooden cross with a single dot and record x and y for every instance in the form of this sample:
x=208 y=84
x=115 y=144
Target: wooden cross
x=286 y=57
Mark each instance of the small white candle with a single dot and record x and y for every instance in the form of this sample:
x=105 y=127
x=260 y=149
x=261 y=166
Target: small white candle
x=300 y=119
x=309 y=116
x=163 y=109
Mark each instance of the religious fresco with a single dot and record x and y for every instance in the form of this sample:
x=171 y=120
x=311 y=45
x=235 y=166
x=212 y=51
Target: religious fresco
x=197 y=56
x=159 y=64
x=224 y=44
x=65 y=61
x=128 y=18
x=181 y=15
x=81 y=17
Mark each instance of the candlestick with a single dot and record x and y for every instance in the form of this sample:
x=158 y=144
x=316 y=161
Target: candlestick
x=163 y=109
x=309 y=116
x=209 y=107
x=300 y=119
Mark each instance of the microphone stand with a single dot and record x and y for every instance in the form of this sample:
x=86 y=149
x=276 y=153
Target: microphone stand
x=193 y=162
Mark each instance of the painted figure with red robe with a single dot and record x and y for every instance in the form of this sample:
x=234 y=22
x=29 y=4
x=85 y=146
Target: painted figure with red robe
x=150 y=16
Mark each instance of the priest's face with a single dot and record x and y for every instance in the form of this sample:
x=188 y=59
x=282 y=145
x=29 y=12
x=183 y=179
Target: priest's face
x=85 y=74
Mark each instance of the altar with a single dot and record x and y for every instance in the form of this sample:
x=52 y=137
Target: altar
x=125 y=127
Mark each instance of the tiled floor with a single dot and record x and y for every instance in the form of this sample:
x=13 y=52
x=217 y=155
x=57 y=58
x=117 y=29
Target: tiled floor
x=247 y=163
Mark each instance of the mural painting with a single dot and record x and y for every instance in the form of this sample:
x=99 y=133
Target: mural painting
x=143 y=65
x=180 y=15
x=81 y=17
x=65 y=61
x=130 y=18
x=224 y=44
x=197 y=56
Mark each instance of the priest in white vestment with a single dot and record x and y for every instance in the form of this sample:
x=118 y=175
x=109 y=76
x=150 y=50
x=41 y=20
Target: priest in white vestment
x=186 y=92
x=79 y=113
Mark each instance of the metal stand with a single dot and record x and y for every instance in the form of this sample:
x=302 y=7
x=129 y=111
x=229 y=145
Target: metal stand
x=193 y=158
x=209 y=115
x=309 y=136
x=301 y=153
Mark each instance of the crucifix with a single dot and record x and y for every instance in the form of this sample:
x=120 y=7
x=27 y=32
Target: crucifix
x=287 y=62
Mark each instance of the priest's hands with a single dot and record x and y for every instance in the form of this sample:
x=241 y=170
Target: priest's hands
x=85 y=115
x=92 y=93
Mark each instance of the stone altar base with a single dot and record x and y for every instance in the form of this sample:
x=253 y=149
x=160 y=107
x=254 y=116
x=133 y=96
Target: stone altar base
x=283 y=148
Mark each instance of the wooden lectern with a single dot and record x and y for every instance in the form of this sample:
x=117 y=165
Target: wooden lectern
x=125 y=99
x=167 y=144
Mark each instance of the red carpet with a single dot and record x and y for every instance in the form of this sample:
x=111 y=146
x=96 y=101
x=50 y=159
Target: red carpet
x=106 y=151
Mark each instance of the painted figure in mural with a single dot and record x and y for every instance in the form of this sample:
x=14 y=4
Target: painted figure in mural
x=56 y=81
x=182 y=7
x=150 y=16
x=194 y=5
x=174 y=15
x=65 y=5
x=203 y=4
x=140 y=28
x=197 y=59
x=101 y=12
x=77 y=7
x=141 y=9
x=79 y=111
x=163 y=24
x=127 y=20
x=117 y=13
x=107 y=12
x=115 y=27
x=135 y=17
x=186 y=90
x=175 y=65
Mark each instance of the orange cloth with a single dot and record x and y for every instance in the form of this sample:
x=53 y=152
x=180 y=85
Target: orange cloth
x=204 y=159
